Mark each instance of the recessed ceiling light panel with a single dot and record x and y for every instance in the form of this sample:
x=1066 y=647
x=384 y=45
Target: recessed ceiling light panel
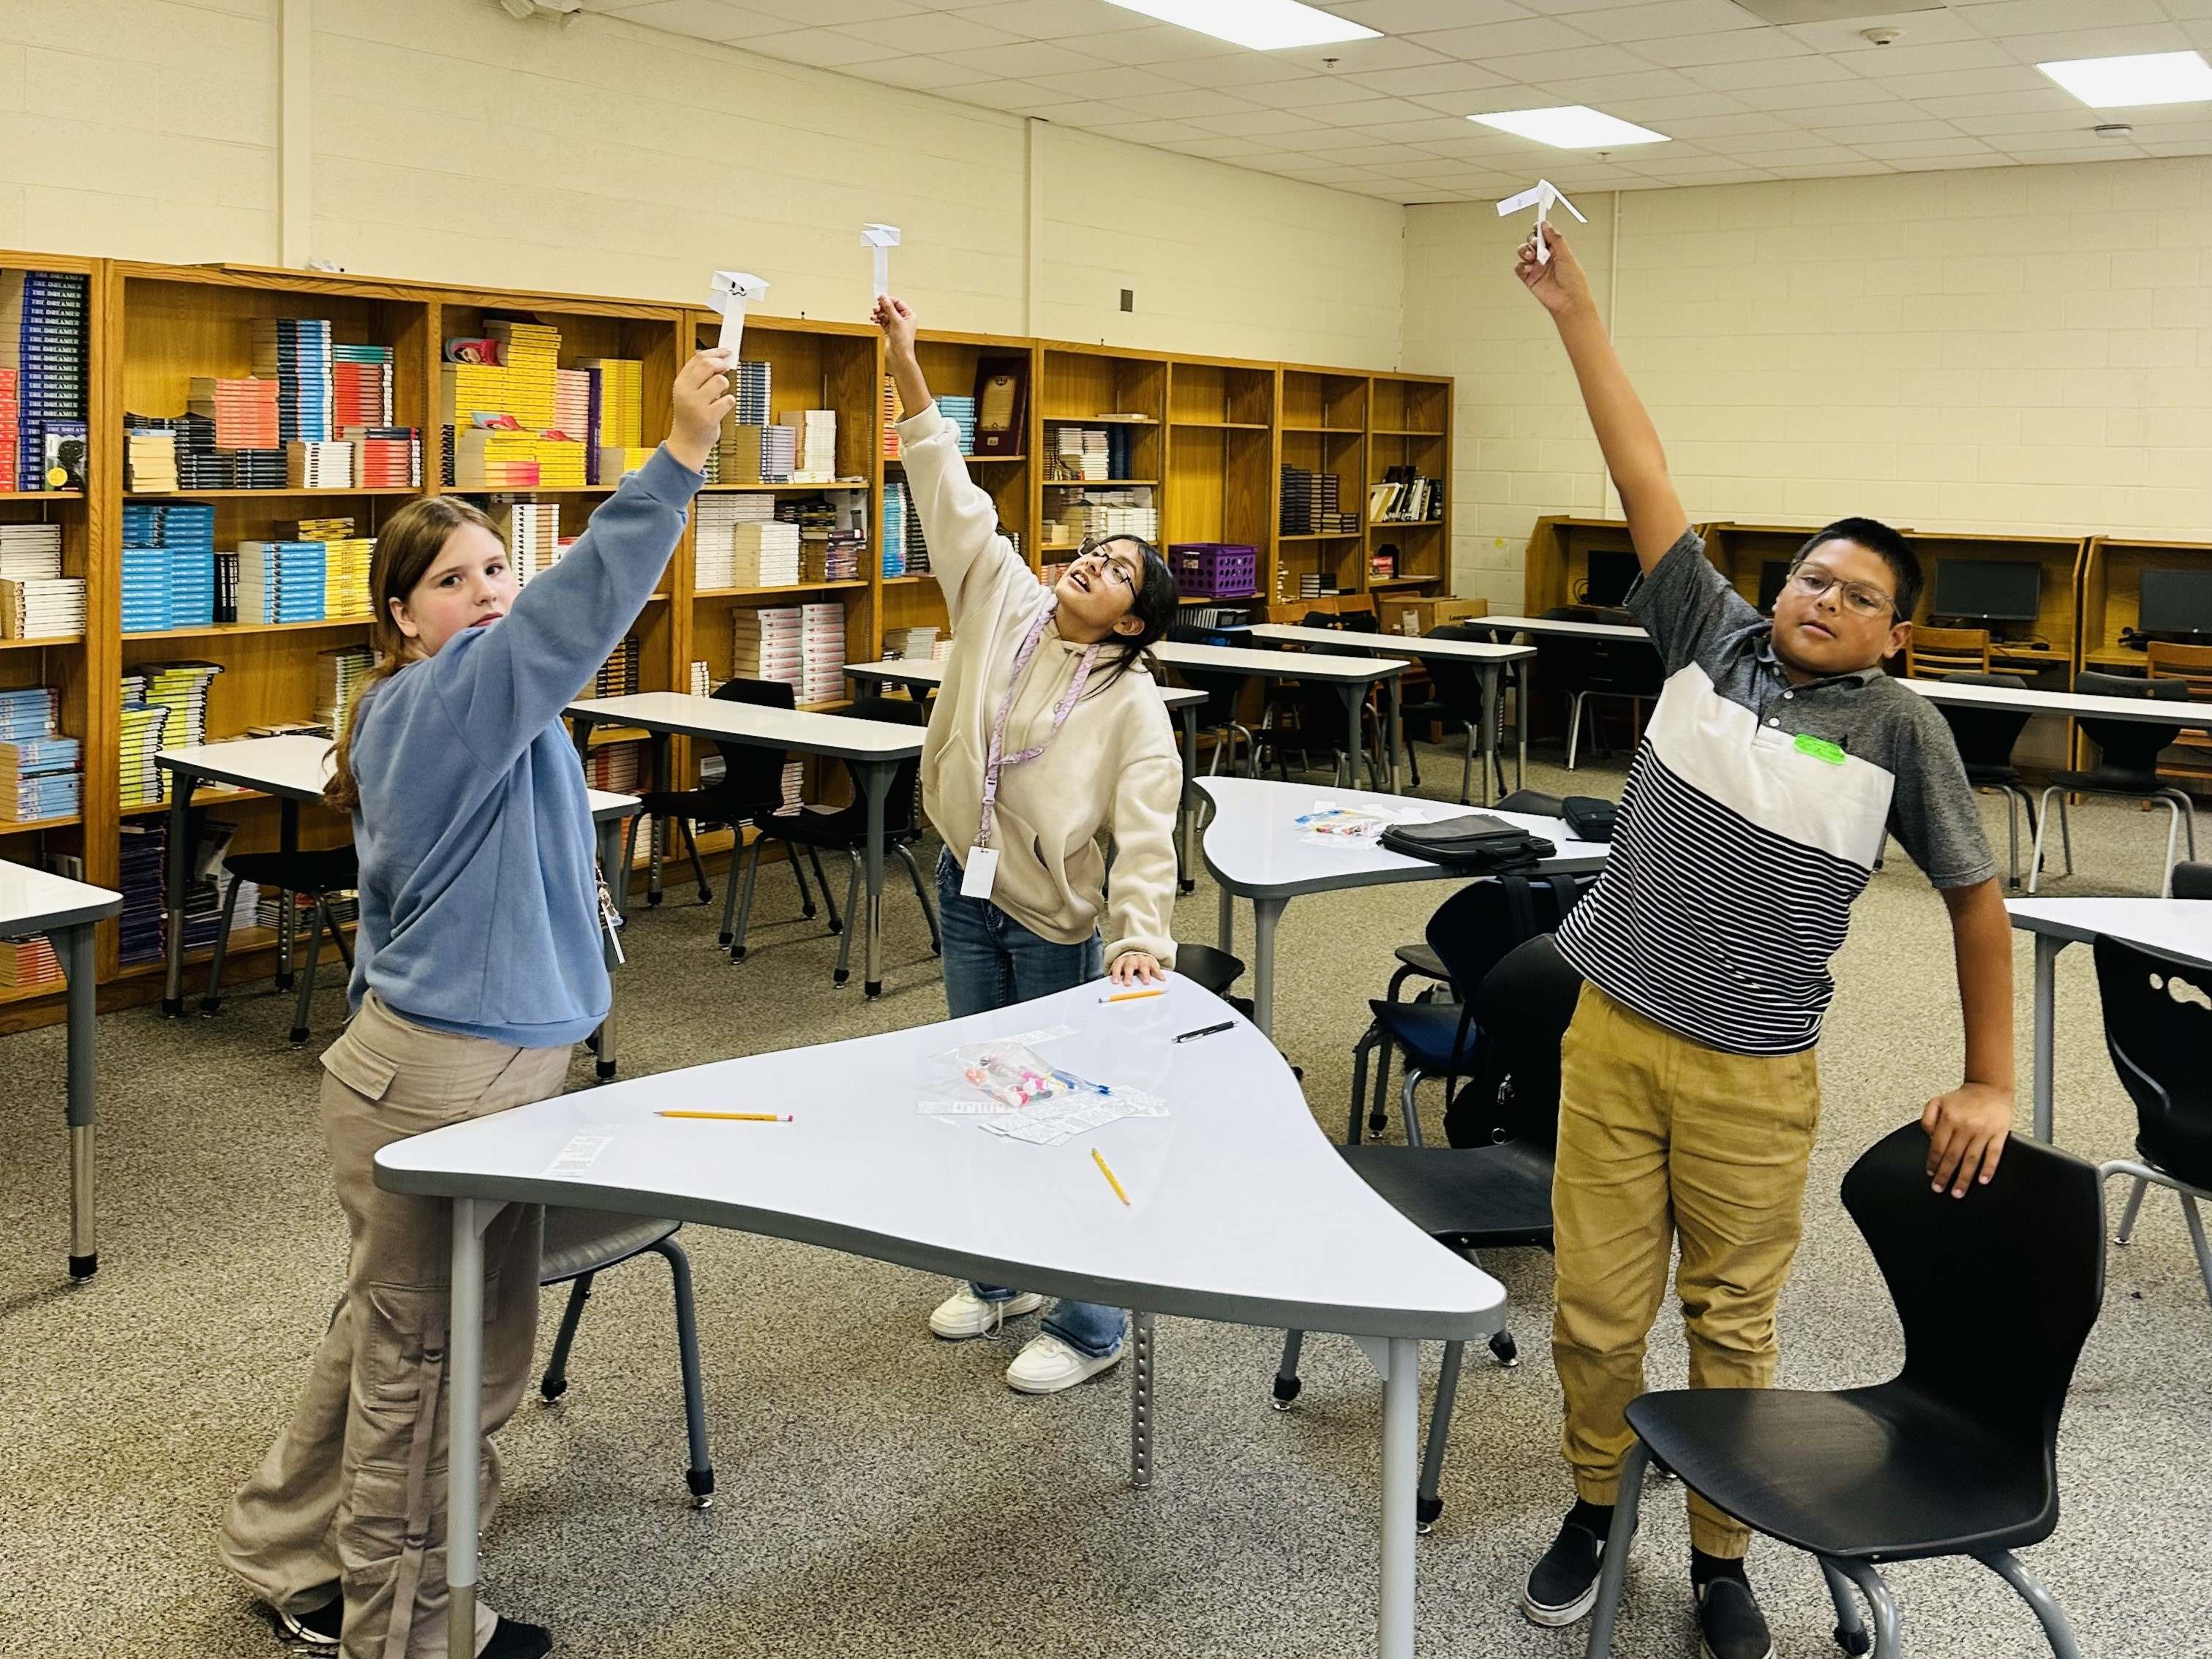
x=1262 y=25
x=1573 y=126
x=2157 y=77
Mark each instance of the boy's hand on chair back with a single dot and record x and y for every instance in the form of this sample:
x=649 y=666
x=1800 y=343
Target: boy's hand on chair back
x=897 y=319
x=703 y=398
x=1559 y=284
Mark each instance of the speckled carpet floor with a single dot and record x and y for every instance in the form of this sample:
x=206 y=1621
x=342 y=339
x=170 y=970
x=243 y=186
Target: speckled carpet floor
x=884 y=1495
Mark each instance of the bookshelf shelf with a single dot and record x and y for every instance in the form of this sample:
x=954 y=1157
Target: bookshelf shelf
x=972 y=460
x=200 y=798
x=907 y=581
x=1325 y=431
x=1324 y=535
x=1401 y=432
x=785 y=587
x=263 y=494
x=781 y=489
x=1102 y=483
x=41 y=642
x=604 y=735
x=34 y=826
x=1403 y=581
x=1220 y=426
x=226 y=630
x=41 y=495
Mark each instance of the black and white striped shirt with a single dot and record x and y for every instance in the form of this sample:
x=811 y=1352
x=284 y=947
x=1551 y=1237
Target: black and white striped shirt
x=1754 y=815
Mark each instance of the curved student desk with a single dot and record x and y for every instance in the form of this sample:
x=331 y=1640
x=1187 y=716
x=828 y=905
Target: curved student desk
x=1563 y=628
x=2180 y=928
x=37 y=902
x=922 y=674
x=1239 y=1209
x=293 y=769
x=1254 y=850
x=2077 y=705
x=1486 y=659
x=874 y=748
x=1350 y=675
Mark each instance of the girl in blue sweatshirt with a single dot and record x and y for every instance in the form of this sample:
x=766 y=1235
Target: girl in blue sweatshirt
x=478 y=967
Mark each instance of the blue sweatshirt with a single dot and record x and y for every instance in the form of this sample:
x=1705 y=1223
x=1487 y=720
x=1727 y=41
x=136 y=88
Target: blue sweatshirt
x=479 y=888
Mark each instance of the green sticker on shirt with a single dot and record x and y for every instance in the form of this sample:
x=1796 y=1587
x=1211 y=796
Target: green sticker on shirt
x=1819 y=748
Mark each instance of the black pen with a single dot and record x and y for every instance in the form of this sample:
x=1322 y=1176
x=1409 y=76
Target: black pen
x=1207 y=1031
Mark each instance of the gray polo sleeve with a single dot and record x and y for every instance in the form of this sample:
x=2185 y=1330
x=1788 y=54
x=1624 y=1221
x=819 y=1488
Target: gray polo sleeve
x=1932 y=810
x=1686 y=603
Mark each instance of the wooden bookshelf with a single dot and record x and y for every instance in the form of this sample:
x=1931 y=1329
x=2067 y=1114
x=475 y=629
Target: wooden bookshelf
x=1083 y=385
x=1221 y=459
x=1410 y=418
x=1324 y=430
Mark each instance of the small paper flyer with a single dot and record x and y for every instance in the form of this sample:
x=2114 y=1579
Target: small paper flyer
x=1331 y=825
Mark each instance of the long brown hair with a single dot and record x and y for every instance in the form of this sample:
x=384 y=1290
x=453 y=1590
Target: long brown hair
x=406 y=548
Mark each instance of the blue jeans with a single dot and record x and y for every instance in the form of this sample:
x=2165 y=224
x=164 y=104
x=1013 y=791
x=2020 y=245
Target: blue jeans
x=992 y=960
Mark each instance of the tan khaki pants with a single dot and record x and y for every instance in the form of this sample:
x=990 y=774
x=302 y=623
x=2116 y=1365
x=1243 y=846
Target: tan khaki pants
x=354 y=1490
x=1660 y=1140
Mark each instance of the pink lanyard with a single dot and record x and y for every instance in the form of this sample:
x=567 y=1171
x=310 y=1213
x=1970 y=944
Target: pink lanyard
x=997 y=759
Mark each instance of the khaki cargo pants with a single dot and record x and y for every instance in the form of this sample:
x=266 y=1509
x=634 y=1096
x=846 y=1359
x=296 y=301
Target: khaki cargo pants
x=353 y=1490
x=1663 y=1139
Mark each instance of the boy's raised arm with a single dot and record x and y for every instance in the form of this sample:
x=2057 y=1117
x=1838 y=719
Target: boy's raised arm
x=1624 y=432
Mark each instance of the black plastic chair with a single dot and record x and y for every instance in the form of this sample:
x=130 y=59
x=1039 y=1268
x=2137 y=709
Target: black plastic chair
x=580 y=1245
x=1986 y=737
x=1954 y=1455
x=1217 y=716
x=318 y=873
x=1496 y=1196
x=1455 y=699
x=2158 y=1029
x=2192 y=881
x=1213 y=970
x=2127 y=766
x=845 y=829
x=1317 y=712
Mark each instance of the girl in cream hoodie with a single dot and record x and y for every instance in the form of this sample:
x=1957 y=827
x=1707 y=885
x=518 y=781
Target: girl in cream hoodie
x=1048 y=734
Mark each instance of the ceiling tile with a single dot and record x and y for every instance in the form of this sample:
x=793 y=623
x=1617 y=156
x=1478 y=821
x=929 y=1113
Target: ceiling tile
x=1310 y=93
x=1606 y=91
x=1236 y=69
x=823 y=48
x=1803 y=71
x=2017 y=77
x=1111 y=83
x=1369 y=111
x=1419 y=132
x=1490 y=40
x=1024 y=60
x=1017 y=97
x=935 y=32
x=1919 y=28
x=1738 y=46
x=1359 y=56
x=1667 y=20
x=1413 y=16
x=1162 y=43
x=1391 y=155
x=1449 y=76
x=1923 y=148
x=705 y=20
x=1584 y=62
x=1220 y=150
x=1187 y=104
x=1052 y=19
x=1999 y=18
x=827 y=14
x=1894 y=62
x=2097 y=42
x=917 y=74
x=1260 y=123
x=1149 y=132
x=1750 y=123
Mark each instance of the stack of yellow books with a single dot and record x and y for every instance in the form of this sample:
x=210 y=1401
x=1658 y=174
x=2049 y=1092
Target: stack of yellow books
x=345 y=566
x=621 y=402
x=494 y=457
x=530 y=353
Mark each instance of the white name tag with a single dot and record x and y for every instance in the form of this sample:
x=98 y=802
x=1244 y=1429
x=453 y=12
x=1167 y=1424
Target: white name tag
x=979 y=872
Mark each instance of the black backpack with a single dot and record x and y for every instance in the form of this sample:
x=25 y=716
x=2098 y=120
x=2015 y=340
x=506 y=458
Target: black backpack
x=1524 y=996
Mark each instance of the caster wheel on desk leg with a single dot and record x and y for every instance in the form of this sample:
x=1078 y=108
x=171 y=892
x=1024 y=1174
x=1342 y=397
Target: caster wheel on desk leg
x=702 y=1482
x=839 y=976
x=1376 y=1123
x=552 y=1388
x=1425 y=1511
x=285 y=981
x=737 y=953
x=82 y=1268
x=173 y=1007
x=1286 y=1391
x=1190 y=887
x=1505 y=1349
x=604 y=1070
x=298 y=1036
x=837 y=925
x=210 y=1007
x=874 y=989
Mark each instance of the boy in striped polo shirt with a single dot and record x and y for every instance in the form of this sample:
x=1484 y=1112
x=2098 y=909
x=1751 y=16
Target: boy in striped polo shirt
x=1778 y=757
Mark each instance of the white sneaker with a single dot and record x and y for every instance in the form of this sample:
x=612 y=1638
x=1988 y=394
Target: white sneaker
x=1048 y=1364
x=964 y=1314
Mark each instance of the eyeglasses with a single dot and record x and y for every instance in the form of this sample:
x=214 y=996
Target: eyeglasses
x=1116 y=570
x=1813 y=580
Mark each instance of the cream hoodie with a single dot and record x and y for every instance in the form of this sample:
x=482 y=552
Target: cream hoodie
x=1113 y=768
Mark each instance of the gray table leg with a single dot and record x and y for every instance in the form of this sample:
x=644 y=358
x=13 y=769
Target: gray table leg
x=1140 y=1398
x=1490 y=711
x=1355 y=733
x=1227 y=935
x=74 y=944
x=611 y=854
x=653 y=828
x=1265 y=913
x=1395 y=735
x=1521 y=715
x=1401 y=1389
x=465 y=1417
x=180 y=808
x=1187 y=808
x=876 y=782
x=580 y=734
x=2047 y=947
x=288 y=841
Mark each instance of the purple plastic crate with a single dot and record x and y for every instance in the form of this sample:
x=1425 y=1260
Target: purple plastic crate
x=1221 y=570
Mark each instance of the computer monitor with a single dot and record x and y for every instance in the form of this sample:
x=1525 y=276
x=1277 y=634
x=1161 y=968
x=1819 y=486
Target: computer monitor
x=2176 y=602
x=1611 y=576
x=1987 y=590
x=1773 y=574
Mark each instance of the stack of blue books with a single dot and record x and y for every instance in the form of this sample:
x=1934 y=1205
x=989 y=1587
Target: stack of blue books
x=168 y=566
x=28 y=712
x=295 y=353
x=281 y=581
x=894 y=540
x=961 y=412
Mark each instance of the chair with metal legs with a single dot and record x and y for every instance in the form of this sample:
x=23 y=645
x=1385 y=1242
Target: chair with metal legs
x=1985 y=738
x=315 y=873
x=1217 y=716
x=2126 y=768
x=581 y=1244
x=1456 y=699
x=845 y=829
x=2158 y=1029
x=1954 y=1455
x=1494 y=1195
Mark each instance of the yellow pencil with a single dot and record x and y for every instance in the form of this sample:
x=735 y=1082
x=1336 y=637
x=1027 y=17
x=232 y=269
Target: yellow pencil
x=1099 y=1159
x=733 y=1117
x=1131 y=996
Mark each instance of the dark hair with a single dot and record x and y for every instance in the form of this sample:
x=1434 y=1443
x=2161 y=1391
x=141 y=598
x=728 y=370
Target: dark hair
x=1156 y=605
x=1885 y=543
x=406 y=548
